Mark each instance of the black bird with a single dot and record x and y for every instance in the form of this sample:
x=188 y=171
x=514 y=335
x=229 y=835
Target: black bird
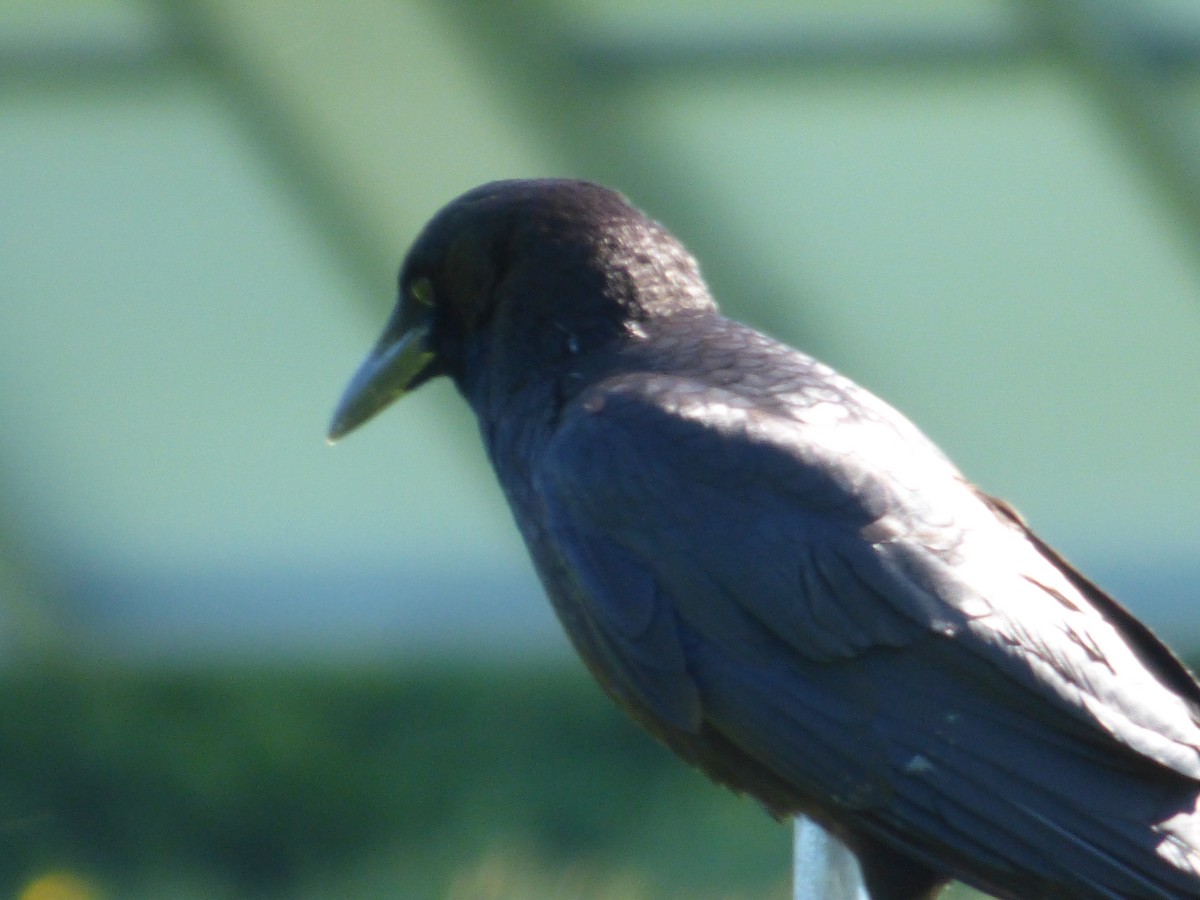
x=782 y=579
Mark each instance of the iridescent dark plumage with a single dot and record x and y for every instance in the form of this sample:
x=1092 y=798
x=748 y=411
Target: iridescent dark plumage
x=782 y=579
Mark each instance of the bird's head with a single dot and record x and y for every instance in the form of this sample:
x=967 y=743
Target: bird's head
x=543 y=268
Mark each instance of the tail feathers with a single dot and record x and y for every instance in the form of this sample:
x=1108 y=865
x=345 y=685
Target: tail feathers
x=1145 y=887
x=1052 y=839
x=988 y=792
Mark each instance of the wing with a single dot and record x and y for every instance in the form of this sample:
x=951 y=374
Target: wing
x=822 y=587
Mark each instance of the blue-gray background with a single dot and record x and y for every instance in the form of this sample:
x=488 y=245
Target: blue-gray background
x=984 y=211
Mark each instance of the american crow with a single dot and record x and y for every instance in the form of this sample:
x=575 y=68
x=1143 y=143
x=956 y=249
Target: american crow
x=782 y=579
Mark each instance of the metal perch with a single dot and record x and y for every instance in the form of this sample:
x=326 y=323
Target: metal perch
x=822 y=866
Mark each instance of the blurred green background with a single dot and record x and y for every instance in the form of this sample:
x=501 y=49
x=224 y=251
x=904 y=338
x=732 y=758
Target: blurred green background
x=235 y=662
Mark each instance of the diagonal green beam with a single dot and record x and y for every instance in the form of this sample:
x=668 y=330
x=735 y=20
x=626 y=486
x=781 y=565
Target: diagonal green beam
x=37 y=606
x=207 y=42
x=1130 y=77
x=347 y=104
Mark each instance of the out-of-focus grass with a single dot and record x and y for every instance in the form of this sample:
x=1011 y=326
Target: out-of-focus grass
x=307 y=784
x=470 y=784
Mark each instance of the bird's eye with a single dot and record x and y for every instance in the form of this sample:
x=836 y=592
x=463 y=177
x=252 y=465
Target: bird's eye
x=421 y=291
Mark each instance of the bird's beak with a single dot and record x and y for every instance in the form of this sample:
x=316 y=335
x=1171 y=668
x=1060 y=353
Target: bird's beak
x=397 y=360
